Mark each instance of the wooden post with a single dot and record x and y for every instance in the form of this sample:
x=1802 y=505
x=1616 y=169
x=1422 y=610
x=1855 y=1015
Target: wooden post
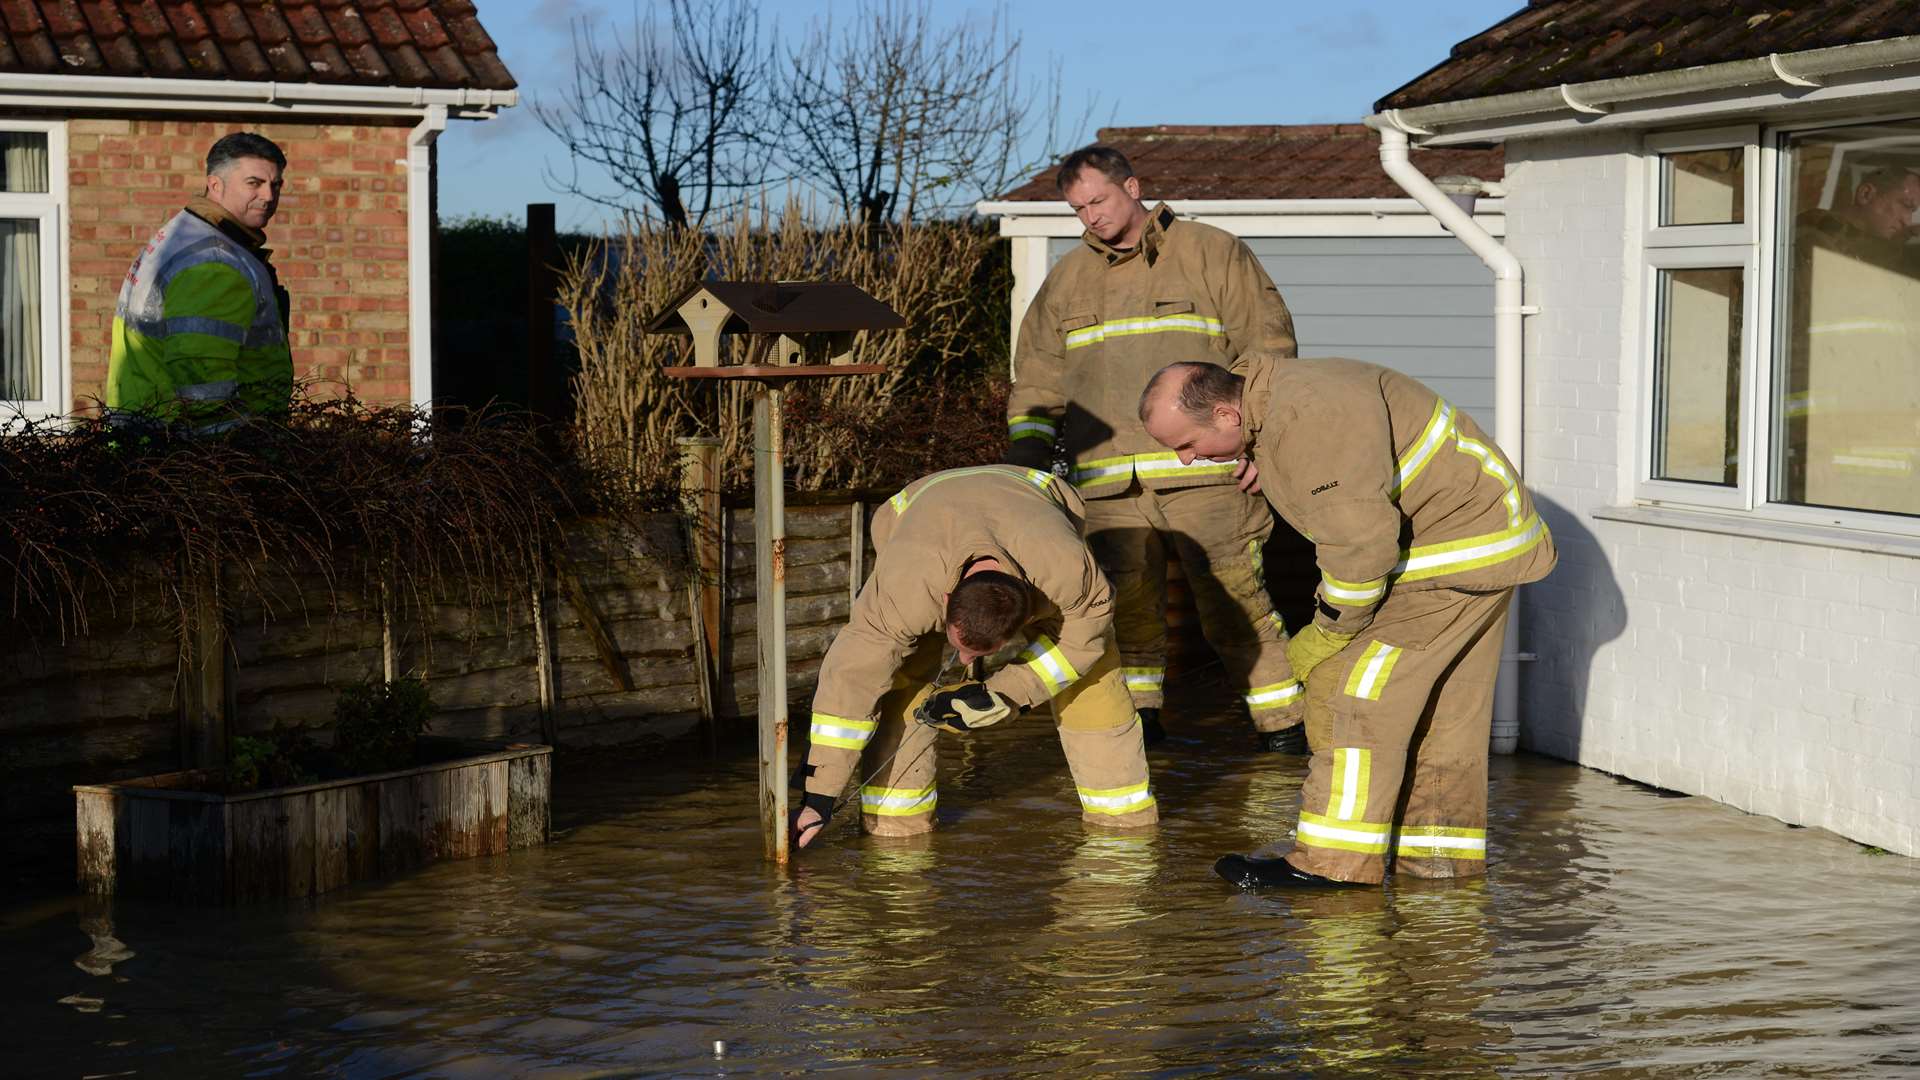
x=205 y=693
x=543 y=391
x=700 y=502
x=543 y=658
x=856 y=549
x=770 y=603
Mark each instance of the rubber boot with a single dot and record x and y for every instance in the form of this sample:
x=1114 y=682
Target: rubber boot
x=1251 y=873
x=1151 y=732
x=1288 y=740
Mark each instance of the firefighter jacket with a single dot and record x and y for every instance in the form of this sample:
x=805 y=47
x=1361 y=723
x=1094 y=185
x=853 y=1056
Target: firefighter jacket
x=1105 y=320
x=1396 y=488
x=200 y=330
x=925 y=537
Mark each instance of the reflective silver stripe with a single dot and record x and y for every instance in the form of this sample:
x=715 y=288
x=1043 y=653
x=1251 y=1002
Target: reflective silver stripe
x=1045 y=660
x=222 y=390
x=897 y=802
x=1439 y=426
x=1192 y=324
x=1121 y=800
x=1266 y=697
x=1144 y=678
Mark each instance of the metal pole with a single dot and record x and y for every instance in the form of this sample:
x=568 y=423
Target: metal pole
x=770 y=605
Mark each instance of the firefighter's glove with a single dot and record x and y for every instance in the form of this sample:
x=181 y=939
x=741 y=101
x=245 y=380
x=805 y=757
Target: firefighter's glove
x=1311 y=647
x=963 y=708
x=819 y=804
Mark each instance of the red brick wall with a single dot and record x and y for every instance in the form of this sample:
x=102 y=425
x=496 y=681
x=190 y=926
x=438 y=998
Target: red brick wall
x=339 y=239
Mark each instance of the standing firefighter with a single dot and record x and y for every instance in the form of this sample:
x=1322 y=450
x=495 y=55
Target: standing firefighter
x=200 y=331
x=1144 y=289
x=1422 y=531
x=967 y=559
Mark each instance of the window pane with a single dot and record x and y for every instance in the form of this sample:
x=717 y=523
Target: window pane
x=1697 y=376
x=23 y=161
x=19 y=310
x=1846 y=409
x=1704 y=187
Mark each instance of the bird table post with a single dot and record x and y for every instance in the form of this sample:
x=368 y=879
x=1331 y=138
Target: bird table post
x=797 y=330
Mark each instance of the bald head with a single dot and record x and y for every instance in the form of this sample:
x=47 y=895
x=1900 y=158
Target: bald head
x=1194 y=410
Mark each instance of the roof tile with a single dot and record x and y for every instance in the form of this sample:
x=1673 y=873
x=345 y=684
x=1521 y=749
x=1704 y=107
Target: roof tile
x=189 y=23
x=21 y=17
x=425 y=27
x=1259 y=161
x=1573 y=41
x=349 y=29
x=63 y=18
x=103 y=18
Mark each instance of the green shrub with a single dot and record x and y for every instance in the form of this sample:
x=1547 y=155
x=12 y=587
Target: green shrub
x=377 y=723
x=281 y=758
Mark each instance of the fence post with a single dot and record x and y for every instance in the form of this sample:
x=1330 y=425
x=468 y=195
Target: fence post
x=770 y=604
x=700 y=502
x=205 y=689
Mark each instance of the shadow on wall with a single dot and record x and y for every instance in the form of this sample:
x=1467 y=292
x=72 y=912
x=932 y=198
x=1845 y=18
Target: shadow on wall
x=1569 y=618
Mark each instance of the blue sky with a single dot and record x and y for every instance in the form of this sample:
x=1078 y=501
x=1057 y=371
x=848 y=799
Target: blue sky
x=1284 y=62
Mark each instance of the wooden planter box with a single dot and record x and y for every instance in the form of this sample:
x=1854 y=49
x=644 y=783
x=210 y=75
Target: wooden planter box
x=154 y=837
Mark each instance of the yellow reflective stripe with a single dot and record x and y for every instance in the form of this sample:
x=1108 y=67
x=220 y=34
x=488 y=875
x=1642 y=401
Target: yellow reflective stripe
x=1032 y=427
x=1258 y=557
x=1351 y=593
x=1046 y=660
x=1114 y=328
x=1491 y=464
x=1274 y=695
x=1442 y=842
x=1369 y=675
x=1120 y=800
x=1168 y=463
x=1144 y=678
x=1352 y=775
x=1101 y=470
x=901 y=500
x=1415 y=460
x=897 y=802
x=1365 y=837
x=1472 y=553
x=830 y=730
x=1875 y=461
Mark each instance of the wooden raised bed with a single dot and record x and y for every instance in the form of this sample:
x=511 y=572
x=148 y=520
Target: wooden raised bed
x=157 y=837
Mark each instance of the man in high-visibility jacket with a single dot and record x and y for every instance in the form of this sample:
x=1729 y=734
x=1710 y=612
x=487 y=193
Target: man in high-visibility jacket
x=967 y=559
x=1422 y=532
x=200 y=330
x=1145 y=288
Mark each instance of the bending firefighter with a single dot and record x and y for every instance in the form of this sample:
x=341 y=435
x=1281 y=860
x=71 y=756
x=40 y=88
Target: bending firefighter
x=1422 y=531
x=1142 y=289
x=967 y=559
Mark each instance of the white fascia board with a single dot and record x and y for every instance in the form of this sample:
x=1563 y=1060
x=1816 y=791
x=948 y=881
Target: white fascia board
x=1260 y=217
x=114 y=93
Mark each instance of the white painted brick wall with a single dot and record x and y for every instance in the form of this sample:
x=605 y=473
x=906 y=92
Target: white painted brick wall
x=1779 y=678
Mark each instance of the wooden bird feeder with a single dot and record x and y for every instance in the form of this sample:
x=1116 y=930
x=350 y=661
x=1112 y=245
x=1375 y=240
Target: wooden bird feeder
x=795 y=330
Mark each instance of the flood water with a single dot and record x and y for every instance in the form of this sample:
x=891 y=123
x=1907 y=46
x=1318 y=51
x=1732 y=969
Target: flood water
x=1620 y=933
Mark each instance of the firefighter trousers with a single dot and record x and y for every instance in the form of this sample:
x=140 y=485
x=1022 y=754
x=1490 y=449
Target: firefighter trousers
x=1403 y=715
x=1098 y=729
x=1218 y=532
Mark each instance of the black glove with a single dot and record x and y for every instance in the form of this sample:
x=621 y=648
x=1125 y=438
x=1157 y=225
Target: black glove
x=963 y=708
x=821 y=804
x=1289 y=740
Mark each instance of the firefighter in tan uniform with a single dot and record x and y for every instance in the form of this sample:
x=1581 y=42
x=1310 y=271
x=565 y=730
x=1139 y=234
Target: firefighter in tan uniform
x=1422 y=531
x=967 y=559
x=1145 y=289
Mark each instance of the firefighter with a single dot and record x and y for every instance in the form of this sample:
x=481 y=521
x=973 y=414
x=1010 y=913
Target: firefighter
x=1421 y=531
x=1142 y=289
x=200 y=329
x=968 y=559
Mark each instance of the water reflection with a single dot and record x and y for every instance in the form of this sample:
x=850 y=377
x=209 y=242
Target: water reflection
x=1618 y=932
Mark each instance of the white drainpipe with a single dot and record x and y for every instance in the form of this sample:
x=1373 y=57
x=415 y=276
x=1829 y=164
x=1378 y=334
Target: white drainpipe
x=420 y=252
x=1507 y=386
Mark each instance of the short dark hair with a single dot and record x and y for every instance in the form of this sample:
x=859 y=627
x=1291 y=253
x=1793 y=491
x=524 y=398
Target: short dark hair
x=1885 y=178
x=243 y=144
x=987 y=608
x=1206 y=385
x=1104 y=160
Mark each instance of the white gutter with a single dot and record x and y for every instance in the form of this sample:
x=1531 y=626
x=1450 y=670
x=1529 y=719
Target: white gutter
x=1577 y=105
x=218 y=95
x=420 y=253
x=1508 y=388
x=1233 y=207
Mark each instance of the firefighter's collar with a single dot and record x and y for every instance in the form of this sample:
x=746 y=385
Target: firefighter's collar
x=1158 y=221
x=1255 y=394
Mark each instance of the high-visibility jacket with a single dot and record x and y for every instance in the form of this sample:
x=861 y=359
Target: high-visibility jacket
x=1396 y=488
x=200 y=330
x=925 y=537
x=1105 y=320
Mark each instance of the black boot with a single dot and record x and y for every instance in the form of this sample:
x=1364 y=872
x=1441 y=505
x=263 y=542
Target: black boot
x=1151 y=733
x=1251 y=873
x=1292 y=740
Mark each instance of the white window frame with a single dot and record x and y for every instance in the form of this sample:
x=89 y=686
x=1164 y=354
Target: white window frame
x=1750 y=245
x=50 y=210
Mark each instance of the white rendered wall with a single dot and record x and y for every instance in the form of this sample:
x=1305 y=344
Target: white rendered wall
x=1780 y=678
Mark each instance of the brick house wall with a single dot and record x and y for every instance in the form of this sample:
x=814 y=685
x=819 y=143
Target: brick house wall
x=339 y=239
x=1779 y=678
